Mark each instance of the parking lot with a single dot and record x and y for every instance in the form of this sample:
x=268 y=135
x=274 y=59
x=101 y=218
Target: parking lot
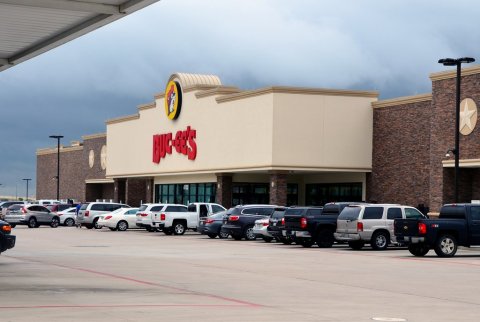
x=69 y=274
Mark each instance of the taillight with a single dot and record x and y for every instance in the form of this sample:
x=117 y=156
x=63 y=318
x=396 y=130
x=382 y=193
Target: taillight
x=108 y=217
x=359 y=226
x=24 y=211
x=209 y=221
x=283 y=221
x=265 y=223
x=87 y=213
x=162 y=217
x=233 y=218
x=303 y=223
x=143 y=214
x=6 y=229
x=422 y=228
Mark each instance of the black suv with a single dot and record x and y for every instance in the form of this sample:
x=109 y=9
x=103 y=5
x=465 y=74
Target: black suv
x=7 y=241
x=276 y=226
x=240 y=220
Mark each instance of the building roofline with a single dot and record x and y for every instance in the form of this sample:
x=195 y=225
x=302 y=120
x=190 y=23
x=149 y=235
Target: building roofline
x=121 y=119
x=63 y=149
x=94 y=136
x=403 y=100
x=453 y=73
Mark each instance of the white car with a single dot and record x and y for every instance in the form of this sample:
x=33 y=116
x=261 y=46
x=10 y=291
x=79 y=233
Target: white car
x=260 y=229
x=68 y=217
x=120 y=219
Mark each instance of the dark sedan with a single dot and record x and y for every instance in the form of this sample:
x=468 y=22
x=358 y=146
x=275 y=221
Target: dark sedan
x=241 y=219
x=7 y=240
x=212 y=225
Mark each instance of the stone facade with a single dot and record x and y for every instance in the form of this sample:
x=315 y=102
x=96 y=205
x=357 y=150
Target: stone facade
x=278 y=188
x=224 y=190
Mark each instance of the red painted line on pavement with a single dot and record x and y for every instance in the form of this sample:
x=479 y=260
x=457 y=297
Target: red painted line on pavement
x=116 y=306
x=223 y=298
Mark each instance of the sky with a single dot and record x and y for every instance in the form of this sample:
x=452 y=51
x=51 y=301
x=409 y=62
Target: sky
x=391 y=46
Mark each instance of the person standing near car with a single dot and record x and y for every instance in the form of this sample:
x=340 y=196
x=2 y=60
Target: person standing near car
x=77 y=223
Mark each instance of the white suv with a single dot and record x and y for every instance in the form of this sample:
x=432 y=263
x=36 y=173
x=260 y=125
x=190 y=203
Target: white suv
x=89 y=213
x=371 y=224
x=145 y=213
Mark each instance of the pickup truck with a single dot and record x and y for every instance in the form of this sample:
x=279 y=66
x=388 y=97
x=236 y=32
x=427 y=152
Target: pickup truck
x=310 y=225
x=457 y=225
x=7 y=240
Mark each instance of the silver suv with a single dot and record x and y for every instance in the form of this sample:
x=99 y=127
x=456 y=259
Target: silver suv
x=89 y=213
x=31 y=215
x=371 y=224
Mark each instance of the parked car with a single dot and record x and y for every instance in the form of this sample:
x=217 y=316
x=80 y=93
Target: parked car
x=90 y=212
x=175 y=219
x=260 y=229
x=371 y=224
x=211 y=225
x=145 y=213
x=276 y=226
x=31 y=215
x=68 y=216
x=204 y=209
x=45 y=202
x=241 y=219
x=7 y=240
x=310 y=225
x=457 y=225
x=120 y=219
x=5 y=204
x=59 y=207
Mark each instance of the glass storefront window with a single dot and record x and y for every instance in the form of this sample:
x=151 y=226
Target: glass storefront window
x=185 y=193
x=320 y=194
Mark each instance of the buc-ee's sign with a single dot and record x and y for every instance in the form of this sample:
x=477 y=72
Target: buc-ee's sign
x=183 y=142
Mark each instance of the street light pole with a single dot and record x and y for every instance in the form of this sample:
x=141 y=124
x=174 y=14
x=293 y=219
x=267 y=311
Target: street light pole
x=457 y=62
x=27 y=180
x=58 y=137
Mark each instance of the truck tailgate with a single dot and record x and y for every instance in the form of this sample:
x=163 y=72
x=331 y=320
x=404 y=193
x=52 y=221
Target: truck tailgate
x=406 y=227
x=292 y=222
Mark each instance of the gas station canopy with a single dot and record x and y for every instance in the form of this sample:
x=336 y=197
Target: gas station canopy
x=31 y=27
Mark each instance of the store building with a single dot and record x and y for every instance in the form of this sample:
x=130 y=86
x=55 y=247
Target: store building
x=203 y=141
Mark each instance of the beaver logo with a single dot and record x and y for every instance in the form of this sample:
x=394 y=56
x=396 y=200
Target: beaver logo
x=173 y=100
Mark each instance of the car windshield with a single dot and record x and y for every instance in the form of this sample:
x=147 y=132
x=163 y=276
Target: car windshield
x=218 y=215
x=233 y=211
x=84 y=206
x=15 y=207
x=296 y=211
x=349 y=213
x=192 y=208
x=142 y=207
x=278 y=214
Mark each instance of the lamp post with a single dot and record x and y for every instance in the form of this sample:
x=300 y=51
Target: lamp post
x=27 y=180
x=456 y=151
x=58 y=137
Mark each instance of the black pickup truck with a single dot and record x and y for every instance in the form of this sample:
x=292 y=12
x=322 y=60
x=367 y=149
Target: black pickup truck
x=457 y=225
x=310 y=225
x=7 y=240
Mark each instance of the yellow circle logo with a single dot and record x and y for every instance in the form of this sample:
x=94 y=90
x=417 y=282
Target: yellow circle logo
x=173 y=100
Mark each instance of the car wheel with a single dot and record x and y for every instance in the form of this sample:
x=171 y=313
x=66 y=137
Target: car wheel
x=13 y=225
x=286 y=240
x=95 y=224
x=32 y=222
x=212 y=236
x=69 y=222
x=89 y=226
x=167 y=231
x=418 y=250
x=248 y=233
x=222 y=235
x=179 y=228
x=55 y=222
x=380 y=240
x=237 y=237
x=122 y=225
x=307 y=243
x=267 y=239
x=446 y=246
x=325 y=238
x=112 y=229
x=356 y=245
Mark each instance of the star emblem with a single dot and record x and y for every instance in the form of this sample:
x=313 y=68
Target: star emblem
x=468 y=116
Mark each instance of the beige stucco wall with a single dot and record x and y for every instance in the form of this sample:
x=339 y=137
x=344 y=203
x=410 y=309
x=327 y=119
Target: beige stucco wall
x=254 y=131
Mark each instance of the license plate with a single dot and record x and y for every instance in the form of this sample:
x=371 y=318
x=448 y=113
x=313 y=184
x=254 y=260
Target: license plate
x=274 y=224
x=284 y=233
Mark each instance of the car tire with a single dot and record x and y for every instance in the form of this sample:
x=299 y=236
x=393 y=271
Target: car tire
x=237 y=237
x=307 y=243
x=95 y=224
x=223 y=235
x=248 y=233
x=418 y=250
x=122 y=225
x=325 y=238
x=89 y=226
x=286 y=240
x=212 y=236
x=380 y=240
x=32 y=222
x=179 y=228
x=69 y=222
x=55 y=222
x=13 y=225
x=356 y=245
x=446 y=246
x=112 y=229
x=267 y=239
x=167 y=231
